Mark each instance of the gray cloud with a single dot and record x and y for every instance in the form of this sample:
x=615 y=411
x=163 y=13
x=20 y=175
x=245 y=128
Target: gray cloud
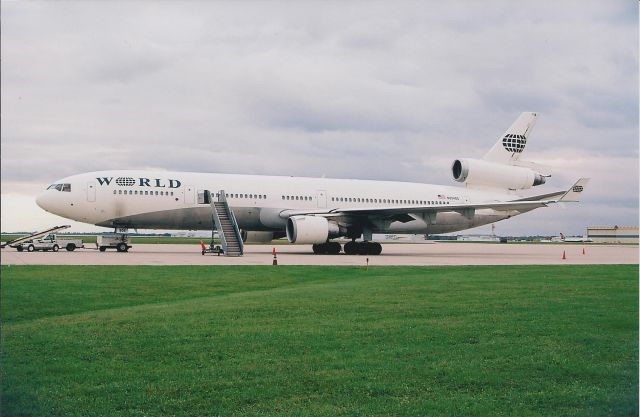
x=342 y=90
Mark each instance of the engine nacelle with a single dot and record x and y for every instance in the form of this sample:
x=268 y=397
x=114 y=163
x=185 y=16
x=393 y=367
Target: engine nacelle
x=310 y=229
x=480 y=172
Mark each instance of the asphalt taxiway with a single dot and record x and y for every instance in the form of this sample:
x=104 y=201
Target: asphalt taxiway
x=393 y=254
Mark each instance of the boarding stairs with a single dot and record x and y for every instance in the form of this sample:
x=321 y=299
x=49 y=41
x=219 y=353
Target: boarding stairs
x=34 y=235
x=226 y=225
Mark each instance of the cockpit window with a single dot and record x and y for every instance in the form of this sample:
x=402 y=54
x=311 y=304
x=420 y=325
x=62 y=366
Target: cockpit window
x=60 y=187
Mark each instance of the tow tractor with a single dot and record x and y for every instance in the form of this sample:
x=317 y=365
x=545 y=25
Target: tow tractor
x=50 y=241
x=213 y=248
x=118 y=240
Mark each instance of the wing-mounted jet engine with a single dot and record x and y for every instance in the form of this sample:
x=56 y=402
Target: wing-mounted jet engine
x=311 y=229
x=501 y=166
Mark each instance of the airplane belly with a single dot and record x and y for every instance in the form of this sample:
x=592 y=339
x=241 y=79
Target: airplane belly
x=247 y=217
x=270 y=219
x=448 y=222
x=491 y=216
x=191 y=218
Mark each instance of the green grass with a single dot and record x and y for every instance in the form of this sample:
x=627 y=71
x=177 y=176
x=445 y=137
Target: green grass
x=309 y=341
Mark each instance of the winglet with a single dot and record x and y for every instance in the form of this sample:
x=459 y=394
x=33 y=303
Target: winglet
x=573 y=193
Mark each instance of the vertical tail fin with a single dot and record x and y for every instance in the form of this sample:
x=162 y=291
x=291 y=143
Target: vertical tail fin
x=511 y=144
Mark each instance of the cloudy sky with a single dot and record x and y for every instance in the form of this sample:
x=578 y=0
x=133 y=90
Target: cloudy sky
x=370 y=90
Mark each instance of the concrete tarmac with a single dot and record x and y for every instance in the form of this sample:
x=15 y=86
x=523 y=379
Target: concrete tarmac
x=436 y=253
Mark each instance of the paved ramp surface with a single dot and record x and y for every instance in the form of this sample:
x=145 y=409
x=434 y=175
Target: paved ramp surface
x=393 y=254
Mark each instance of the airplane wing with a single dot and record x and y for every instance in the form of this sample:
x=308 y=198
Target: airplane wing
x=408 y=213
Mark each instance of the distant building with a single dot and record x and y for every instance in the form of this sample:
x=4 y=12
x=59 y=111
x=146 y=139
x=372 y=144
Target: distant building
x=196 y=233
x=613 y=234
x=478 y=238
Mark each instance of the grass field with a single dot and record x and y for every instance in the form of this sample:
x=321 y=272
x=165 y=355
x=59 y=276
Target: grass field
x=311 y=341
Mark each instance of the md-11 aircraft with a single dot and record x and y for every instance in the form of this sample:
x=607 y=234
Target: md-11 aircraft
x=315 y=210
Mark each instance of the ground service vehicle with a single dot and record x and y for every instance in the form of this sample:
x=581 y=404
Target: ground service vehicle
x=117 y=241
x=15 y=243
x=49 y=242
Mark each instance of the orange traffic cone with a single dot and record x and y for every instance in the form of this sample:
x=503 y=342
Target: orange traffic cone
x=564 y=254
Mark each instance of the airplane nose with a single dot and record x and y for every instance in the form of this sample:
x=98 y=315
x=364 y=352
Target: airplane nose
x=41 y=201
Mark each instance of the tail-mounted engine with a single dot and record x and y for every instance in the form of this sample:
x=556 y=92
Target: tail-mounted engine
x=491 y=174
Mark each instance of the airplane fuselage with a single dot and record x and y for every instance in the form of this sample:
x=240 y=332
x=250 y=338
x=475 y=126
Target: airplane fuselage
x=170 y=200
x=312 y=210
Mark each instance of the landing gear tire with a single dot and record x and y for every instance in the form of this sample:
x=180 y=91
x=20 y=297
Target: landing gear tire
x=334 y=248
x=122 y=247
x=375 y=248
x=328 y=248
x=363 y=248
x=351 y=248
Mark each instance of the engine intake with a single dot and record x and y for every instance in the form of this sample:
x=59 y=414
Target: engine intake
x=310 y=229
x=480 y=172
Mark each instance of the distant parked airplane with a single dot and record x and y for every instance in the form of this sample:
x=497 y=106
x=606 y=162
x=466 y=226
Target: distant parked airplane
x=314 y=210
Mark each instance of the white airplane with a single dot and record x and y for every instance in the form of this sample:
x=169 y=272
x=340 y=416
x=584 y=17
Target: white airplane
x=315 y=210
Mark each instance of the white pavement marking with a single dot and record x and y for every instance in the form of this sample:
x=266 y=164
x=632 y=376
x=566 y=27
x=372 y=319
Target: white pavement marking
x=393 y=254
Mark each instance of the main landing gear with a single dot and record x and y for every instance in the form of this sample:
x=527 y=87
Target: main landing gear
x=350 y=248
x=362 y=248
x=328 y=248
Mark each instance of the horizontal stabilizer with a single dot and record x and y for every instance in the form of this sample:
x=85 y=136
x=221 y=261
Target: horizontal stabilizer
x=573 y=193
x=541 y=197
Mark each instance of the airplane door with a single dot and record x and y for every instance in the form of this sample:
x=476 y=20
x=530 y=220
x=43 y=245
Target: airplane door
x=91 y=192
x=189 y=195
x=321 y=196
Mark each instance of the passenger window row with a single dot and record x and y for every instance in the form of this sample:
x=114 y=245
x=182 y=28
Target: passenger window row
x=388 y=201
x=146 y=192
x=252 y=196
x=297 y=197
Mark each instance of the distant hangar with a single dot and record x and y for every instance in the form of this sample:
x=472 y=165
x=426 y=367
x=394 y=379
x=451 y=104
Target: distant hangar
x=613 y=234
